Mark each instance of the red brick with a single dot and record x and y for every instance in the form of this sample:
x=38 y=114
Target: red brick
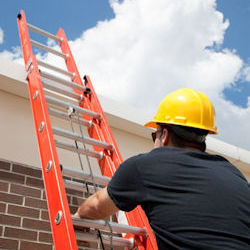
x=2 y=207
x=36 y=224
x=23 y=211
x=10 y=220
x=10 y=177
x=77 y=201
x=45 y=237
x=8 y=244
x=1 y=230
x=73 y=209
x=27 y=170
x=34 y=182
x=25 y=245
x=25 y=191
x=74 y=192
x=45 y=215
x=4 y=186
x=35 y=203
x=11 y=198
x=4 y=165
x=20 y=233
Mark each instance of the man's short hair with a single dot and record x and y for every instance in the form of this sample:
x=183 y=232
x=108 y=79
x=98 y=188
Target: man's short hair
x=182 y=136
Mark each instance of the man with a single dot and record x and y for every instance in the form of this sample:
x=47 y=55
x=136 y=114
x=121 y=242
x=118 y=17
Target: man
x=193 y=200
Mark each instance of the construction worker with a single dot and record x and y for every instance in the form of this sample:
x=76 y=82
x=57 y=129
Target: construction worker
x=193 y=200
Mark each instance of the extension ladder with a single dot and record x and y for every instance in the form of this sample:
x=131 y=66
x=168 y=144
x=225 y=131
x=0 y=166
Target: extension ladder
x=86 y=111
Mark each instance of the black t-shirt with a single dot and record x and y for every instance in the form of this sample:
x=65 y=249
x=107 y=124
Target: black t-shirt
x=193 y=200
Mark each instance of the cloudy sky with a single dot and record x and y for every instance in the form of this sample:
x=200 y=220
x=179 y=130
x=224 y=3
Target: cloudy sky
x=137 y=51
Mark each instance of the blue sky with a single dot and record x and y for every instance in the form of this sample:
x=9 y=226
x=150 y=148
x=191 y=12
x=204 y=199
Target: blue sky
x=83 y=14
x=109 y=39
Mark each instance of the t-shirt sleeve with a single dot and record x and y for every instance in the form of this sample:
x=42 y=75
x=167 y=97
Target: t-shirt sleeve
x=125 y=188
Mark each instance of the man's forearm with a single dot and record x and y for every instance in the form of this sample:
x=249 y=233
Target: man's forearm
x=97 y=206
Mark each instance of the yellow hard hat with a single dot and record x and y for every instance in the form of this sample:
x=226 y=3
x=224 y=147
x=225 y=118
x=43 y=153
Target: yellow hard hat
x=186 y=107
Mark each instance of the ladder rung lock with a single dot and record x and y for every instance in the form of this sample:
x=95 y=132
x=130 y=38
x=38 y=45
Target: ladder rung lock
x=66 y=146
x=52 y=67
x=44 y=33
x=80 y=186
x=103 y=225
x=116 y=241
x=67 y=105
x=74 y=173
x=65 y=116
x=81 y=138
x=63 y=81
x=48 y=49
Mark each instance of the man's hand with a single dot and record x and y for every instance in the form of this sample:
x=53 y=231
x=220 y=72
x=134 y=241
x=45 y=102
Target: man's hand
x=97 y=206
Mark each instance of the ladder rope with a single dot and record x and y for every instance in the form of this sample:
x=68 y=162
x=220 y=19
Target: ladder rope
x=95 y=187
x=72 y=111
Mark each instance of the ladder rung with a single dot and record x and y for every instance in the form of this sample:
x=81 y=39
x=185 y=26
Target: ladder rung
x=52 y=67
x=63 y=81
x=64 y=104
x=46 y=48
x=103 y=225
x=72 y=148
x=44 y=33
x=55 y=88
x=80 y=186
x=63 y=115
x=116 y=241
x=74 y=173
x=78 y=137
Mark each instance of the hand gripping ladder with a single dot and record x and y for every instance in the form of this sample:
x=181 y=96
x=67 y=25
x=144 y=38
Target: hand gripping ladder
x=137 y=234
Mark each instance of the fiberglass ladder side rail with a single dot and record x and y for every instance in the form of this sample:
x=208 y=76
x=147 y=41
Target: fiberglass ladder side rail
x=101 y=138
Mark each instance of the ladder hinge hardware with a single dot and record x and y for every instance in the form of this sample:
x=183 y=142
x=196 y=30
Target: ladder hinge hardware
x=35 y=95
x=41 y=126
x=48 y=167
x=58 y=217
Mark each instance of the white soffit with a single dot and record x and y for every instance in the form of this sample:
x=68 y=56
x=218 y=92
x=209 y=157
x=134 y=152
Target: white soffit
x=121 y=116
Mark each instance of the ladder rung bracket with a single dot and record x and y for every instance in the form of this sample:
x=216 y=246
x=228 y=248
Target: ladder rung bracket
x=78 y=137
x=79 y=174
x=48 y=49
x=93 y=237
x=67 y=146
x=56 y=69
x=57 y=89
x=63 y=81
x=80 y=186
x=44 y=33
x=65 y=116
x=103 y=225
x=67 y=105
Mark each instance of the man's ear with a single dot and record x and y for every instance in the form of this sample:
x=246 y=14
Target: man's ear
x=165 y=137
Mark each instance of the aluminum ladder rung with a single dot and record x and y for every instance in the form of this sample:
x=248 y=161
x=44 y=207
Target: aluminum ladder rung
x=80 y=186
x=65 y=116
x=94 y=237
x=55 y=88
x=67 y=146
x=79 y=174
x=44 y=33
x=81 y=138
x=103 y=225
x=48 y=49
x=56 y=69
x=64 y=82
x=64 y=104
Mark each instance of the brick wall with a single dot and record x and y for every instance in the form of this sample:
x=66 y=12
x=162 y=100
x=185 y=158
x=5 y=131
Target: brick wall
x=24 y=222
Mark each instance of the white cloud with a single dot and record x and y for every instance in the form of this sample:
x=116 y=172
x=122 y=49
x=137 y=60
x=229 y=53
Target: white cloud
x=151 y=48
x=1 y=36
x=246 y=73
